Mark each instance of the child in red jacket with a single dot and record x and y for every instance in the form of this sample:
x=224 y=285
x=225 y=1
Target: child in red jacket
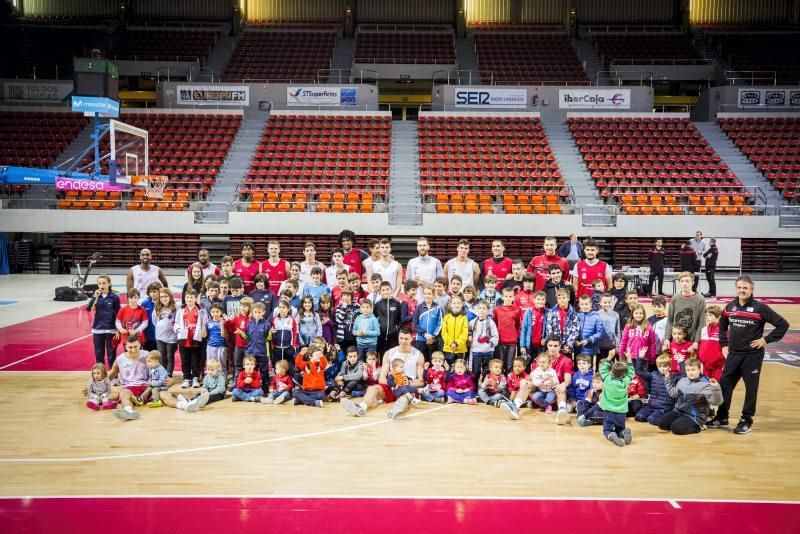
x=435 y=379
x=281 y=385
x=680 y=349
x=516 y=376
x=507 y=318
x=311 y=363
x=237 y=325
x=710 y=351
x=132 y=319
x=248 y=383
x=636 y=394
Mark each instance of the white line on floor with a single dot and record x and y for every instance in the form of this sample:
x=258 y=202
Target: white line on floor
x=413 y=413
x=674 y=504
x=51 y=349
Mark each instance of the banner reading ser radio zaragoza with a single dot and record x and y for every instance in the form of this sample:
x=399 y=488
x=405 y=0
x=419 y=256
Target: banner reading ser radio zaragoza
x=594 y=98
x=213 y=95
x=491 y=98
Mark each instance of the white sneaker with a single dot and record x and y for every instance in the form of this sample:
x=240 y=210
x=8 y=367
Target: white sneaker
x=318 y=404
x=186 y=384
x=181 y=398
x=415 y=401
x=195 y=383
x=562 y=417
x=352 y=408
x=397 y=408
x=266 y=400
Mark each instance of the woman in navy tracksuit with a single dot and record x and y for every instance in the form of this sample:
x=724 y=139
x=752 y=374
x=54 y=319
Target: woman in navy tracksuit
x=106 y=306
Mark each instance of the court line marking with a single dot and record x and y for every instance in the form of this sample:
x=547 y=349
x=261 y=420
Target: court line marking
x=407 y=497
x=218 y=447
x=674 y=504
x=51 y=349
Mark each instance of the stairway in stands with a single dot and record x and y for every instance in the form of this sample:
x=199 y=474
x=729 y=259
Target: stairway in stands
x=405 y=196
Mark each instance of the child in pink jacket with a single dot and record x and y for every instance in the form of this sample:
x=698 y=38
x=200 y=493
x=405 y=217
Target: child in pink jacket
x=639 y=342
x=460 y=387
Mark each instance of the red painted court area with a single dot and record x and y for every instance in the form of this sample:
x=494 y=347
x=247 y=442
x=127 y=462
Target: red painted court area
x=389 y=515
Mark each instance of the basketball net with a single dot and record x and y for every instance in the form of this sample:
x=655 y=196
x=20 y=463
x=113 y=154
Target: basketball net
x=153 y=185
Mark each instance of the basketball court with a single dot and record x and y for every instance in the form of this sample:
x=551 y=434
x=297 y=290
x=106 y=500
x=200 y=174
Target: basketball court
x=439 y=466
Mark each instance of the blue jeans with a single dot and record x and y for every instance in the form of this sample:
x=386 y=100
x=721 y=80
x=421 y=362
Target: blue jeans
x=489 y=398
x=460 y=397
x=362 y=351
x=431 y=396
x=544 y=398
x=613 y=423
x=247 y=394
x=641 y=367
x=402 y=390
x=479 y=360
x=308 y=397
x=650 y=414
x=275 y=394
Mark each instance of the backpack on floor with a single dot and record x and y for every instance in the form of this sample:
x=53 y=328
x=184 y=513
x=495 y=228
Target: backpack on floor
x=69 y=294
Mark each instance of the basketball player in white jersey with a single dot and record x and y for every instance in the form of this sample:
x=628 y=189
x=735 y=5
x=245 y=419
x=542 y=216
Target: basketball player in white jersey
x=463 y=266
x=382 y=392
x=142 y=275
x=423 y=269
x=389 y=269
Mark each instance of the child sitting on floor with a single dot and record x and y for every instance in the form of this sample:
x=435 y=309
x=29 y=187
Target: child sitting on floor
x=694 y=395
x=659 y=402
x=435 y=379
x=460 y=387
x=351 y=377
x=493 y=386
x=248 y=383
x=281 y=385
x=400 y=383
x=311 y=363
x=588 y=410
x=545 y=380
x=99 y=389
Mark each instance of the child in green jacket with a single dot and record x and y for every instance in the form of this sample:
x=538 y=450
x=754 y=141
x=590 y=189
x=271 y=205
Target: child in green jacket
x=614 y=402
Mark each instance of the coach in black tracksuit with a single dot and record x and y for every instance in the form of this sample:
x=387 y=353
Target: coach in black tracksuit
x=656 y=268
x=711 y=256
x=741 y=334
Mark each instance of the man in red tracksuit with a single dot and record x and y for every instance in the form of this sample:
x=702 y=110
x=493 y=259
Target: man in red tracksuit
x=540 y=265
x=507 y=318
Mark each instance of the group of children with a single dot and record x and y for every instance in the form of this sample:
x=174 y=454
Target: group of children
x=507 y=346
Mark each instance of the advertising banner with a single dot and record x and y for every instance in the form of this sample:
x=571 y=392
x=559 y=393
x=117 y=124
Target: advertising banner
x=594 y=98
x=491 y=98
x=753 y=97
x=213 y=95
x=71 y=184
x=36 y=91
x=321 y=96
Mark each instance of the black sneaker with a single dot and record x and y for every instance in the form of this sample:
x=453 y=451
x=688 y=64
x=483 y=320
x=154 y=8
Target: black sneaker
x=744 y=427
x=717 y=423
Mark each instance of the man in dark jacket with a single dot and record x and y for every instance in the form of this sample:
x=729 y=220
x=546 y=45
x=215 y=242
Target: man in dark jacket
x=391 y=314
x=571 y=250
x=656 y=256
x=554 y=284
x=711 y=256
x=741 y=334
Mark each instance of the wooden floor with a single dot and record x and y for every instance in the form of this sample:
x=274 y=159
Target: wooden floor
x=52 y=445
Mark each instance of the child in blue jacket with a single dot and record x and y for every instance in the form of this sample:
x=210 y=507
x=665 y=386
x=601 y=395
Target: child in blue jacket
x=659 y=402
x=427 y=321
x=257 y=332
x=366 y=329
x=590 y=328
x=561 y=321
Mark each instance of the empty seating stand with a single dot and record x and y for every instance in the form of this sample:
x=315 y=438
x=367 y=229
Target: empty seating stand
x=281 y=56
x=165 y=44
x=506 y=160
x=405 y=47
x=188 y=148
x=169 y=250
x=647 y=48
x=44 y=50
x=657 y=166
x=35 y=139
x=773 y=145
x=762 y=56
x=529 y=58
x=338 y=163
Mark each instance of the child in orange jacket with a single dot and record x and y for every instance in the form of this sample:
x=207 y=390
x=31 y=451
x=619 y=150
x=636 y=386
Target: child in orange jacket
x=311 y=364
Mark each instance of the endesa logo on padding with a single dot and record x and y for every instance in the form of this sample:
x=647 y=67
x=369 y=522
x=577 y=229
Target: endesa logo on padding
x=594 y=99
x=491 y=98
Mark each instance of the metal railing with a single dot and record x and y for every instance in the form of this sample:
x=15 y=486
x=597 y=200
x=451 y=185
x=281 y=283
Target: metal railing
x=402 y=61
x=598 y=215
x=463 y=77
x=751 y=77
x=663 y=62
x=403 y=28
x=552 y=83
x=789 y=216
x=616 y=77
x=630 y=28
x=368 y=76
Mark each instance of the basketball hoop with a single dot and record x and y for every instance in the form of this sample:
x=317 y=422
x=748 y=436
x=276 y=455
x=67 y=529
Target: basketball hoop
x=153 y=185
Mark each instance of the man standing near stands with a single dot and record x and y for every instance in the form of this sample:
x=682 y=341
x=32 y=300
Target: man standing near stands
x=463 y=266
x=498 y=264
x=142 y=275
x=571 y=250
x=423 y=269
x=741 y=334
x=540 y=265
x=699 y=247
x=204 y=259
x=711 y=256
x=247 y=268
x=656 y=256
x=354 y=257
x=276 y=268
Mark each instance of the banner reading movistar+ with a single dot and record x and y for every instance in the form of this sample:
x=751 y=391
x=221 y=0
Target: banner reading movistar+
x=321 y=96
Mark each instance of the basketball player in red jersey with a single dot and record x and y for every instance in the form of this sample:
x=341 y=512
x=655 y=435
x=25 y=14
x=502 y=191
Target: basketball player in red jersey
x=276 y=268
x=585 y=271
x=247 y=268
x=498 y=264
x=354 y=257
x=540 y=265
